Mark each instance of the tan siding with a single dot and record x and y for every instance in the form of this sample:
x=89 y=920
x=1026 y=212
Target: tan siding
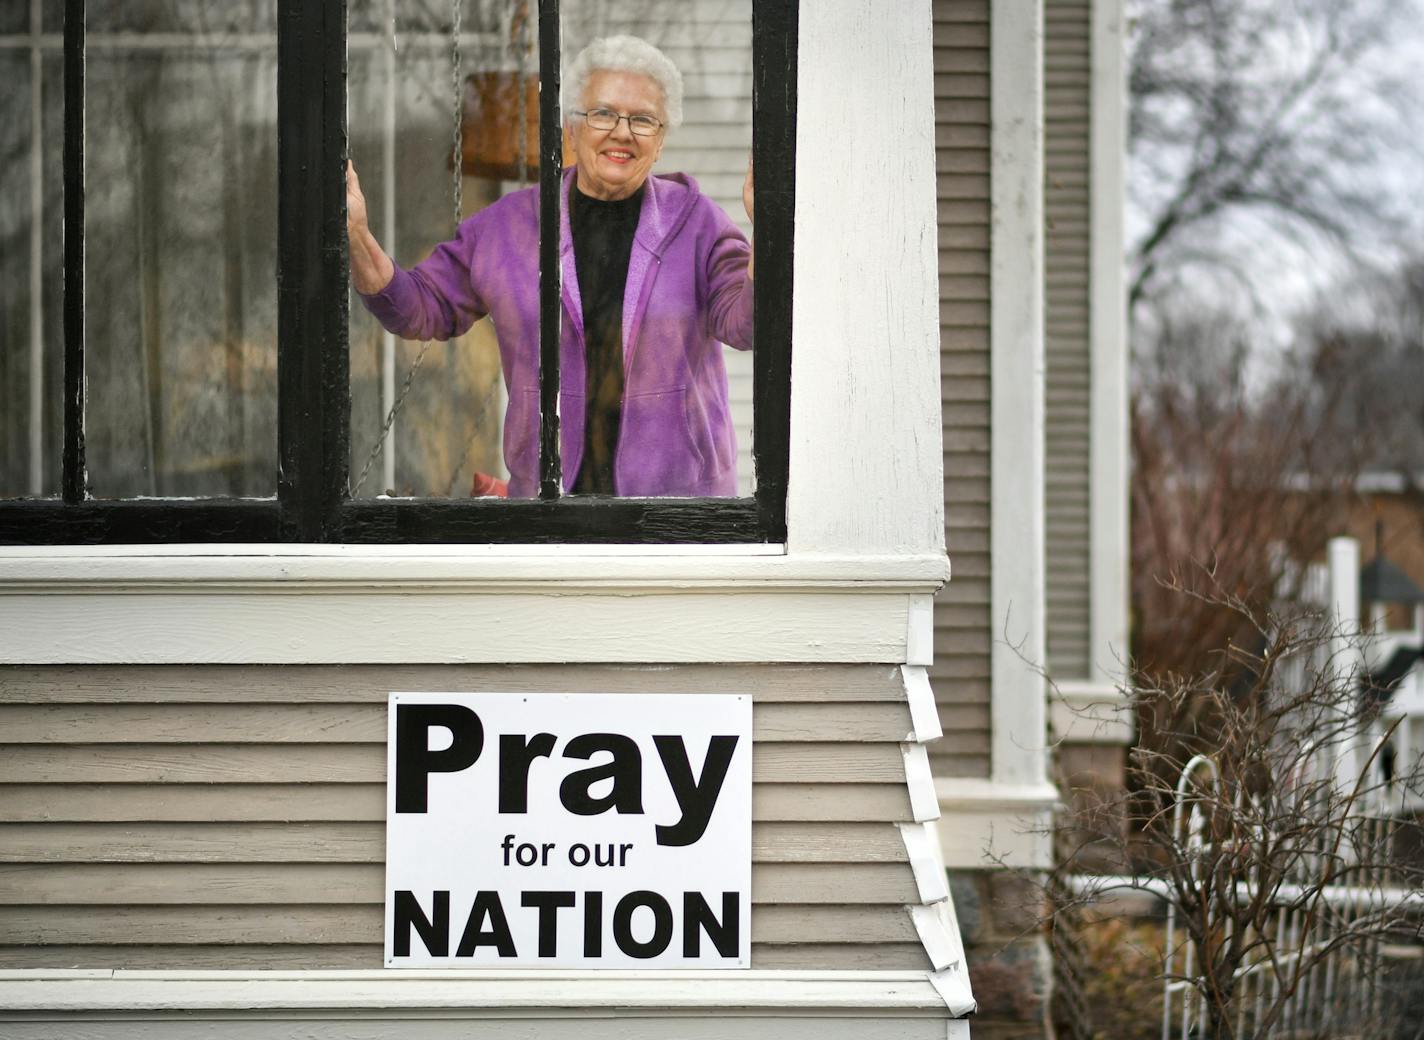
x=232 y=816
x=366 y=723
x=198 y=763
x=1067 y=45
x=301 y=883
x=240 y=842
x=328 y=802
x=961 y=670
x=826 y=956
x=299 y=925
x=78 y=684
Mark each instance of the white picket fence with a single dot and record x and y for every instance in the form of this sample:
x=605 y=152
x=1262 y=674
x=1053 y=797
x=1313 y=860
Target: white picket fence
x=1337 y=993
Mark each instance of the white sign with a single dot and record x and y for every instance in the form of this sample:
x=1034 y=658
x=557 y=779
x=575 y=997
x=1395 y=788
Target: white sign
x=588 y=830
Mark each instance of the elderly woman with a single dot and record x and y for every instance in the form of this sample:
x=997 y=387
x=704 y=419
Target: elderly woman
x=655 y=278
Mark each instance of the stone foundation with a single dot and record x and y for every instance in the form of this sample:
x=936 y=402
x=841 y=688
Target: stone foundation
x=1010 y=967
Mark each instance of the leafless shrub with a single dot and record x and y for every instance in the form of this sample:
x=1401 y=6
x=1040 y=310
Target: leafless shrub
x=1255 y=797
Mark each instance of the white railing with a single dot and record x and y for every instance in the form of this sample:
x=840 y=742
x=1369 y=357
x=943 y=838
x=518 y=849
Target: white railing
x=1313 y=961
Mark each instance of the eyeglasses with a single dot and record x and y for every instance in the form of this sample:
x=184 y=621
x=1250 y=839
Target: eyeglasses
x=607 y=119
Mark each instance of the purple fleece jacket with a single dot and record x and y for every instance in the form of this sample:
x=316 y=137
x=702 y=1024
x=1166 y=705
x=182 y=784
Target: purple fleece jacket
x=687 y=293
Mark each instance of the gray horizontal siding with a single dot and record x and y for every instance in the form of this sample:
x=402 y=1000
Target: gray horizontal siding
x=1067 y=60
x=960 y=674
x=232 y=816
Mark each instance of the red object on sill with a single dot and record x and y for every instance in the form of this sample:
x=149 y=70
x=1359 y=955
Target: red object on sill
x=486 y=486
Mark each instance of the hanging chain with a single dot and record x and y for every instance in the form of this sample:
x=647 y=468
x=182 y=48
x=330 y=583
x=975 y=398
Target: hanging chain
x=457 y=91
x=457 y=191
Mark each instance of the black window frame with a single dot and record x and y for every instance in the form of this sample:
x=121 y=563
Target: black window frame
x=313 y=388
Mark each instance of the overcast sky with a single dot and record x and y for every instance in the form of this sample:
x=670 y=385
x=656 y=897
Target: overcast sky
x=1286 y=276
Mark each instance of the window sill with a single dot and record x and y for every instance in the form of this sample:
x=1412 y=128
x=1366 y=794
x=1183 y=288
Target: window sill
x=446 y=604
x=1090 y=713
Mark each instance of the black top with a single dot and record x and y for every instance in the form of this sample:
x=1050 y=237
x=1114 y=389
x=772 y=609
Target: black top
x=603 y=241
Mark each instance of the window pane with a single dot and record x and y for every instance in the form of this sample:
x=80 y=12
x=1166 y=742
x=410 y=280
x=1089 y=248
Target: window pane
x=14 y=17
x=417 y=94
x=31 y=273
x=674 y=358
x=181 y=243
x=231 y=18
x=52 y=15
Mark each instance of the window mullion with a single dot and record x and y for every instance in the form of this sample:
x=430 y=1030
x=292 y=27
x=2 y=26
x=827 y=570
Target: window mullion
x=774 y=40
x=313 y=404
x=551 y=157
x=75 y=478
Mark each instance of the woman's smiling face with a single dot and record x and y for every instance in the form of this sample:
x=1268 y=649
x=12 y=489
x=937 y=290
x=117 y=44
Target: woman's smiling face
x=613 y=164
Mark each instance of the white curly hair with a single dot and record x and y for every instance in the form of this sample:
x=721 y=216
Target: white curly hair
x=625 y=54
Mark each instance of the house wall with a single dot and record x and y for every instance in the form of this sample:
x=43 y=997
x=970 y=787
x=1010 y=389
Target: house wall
x=1067 y=45
x=1085 y=346
x=234 y=817
x=963 y=632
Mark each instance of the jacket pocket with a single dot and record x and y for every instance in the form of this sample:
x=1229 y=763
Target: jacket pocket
x=658 y=454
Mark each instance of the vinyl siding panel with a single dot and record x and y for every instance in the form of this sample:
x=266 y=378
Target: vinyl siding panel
x=233 y=816
x=960 y=674
x=1067 y=46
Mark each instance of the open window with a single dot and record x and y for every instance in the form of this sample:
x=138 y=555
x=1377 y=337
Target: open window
x=193 y=367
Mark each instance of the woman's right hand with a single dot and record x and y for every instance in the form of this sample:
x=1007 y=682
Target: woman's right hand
x=371 y=269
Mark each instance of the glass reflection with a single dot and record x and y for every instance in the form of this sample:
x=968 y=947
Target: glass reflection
x=429 y=82
x=684 y=418
x=181 y=244
x=31 y=268
x=655 y=267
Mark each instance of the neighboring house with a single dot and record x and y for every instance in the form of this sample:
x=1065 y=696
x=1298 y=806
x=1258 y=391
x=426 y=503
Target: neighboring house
x=1383 y=600
x=193 y=762
x=1031 y=631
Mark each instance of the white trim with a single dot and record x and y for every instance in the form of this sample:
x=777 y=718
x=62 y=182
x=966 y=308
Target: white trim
x=508 y=994
x=630 y=625
x=939 y=941
x=1108 y=410
x=924 y=802
x=866 y=446
x=922 y=849
x=924 y=714
x=454 y=565
x=919 y=636
x=348 y=604
x=1017 y=609
x=1346 y=661
x=953 y=986
x=1090 y=713
x=986 y=825
x=1380 y=482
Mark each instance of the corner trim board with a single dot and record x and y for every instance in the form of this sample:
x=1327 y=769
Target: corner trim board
x=1108 y=466
x=1018 y=751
